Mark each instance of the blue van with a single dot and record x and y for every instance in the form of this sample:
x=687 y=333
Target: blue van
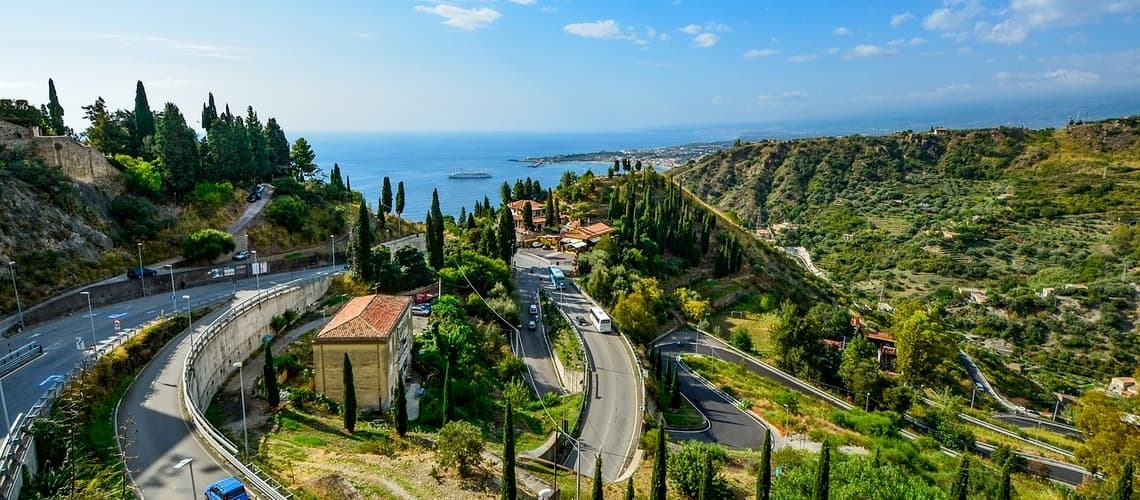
x=227 y=489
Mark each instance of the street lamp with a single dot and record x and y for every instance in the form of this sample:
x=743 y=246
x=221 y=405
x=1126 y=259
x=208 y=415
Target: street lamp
x=332 y=244
x=16 y=291
x=142 y=276
x=244 y=429
x=4 y=402
x=787 y=411
x=91 y=317
x=256 y=272
x=173 y=298
x=188 y=462
x=867 y=403
x=189 y=320
x=972 y=395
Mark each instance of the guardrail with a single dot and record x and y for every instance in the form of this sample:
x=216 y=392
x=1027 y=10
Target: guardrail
x=19 y=439
x=17 y=358
x=1006 y=432
x=254 y=477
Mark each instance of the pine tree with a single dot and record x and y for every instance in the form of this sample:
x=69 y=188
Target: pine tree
x=272 y=394
x=764 y=474
x=599 y=486
x=820 y=492
x=301 y=160
x=364 y=242
x=435 y=251
x=1005 y=488
x=508 y=488
x=960 y=490
x=385 y=197
x=1124 y=486
x=349 y=397
x=401 y=408
x=144 y=120
x=55 y=112
x=660 y=490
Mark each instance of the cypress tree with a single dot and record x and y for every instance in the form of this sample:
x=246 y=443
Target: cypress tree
x=144 y=119
x=528 y=217
x=1124 y=487
x=258 y=148
x=505 y=193
x=705 y=490
x=508 y=488
x=349 y=397
x=272 y=394
x=599 y=487
x=876 y=459
x=176 y=147
x=364 y=240
x=629 y=489
x=336 y=182
x=386 y=196
x=277 y=143
x=820 y=492
x=550 y=222
x=1005 y=489
x=506 y=233
x=447 y=392
x=764 y=474
x=55 y=112
x=210 y=114
x=660 y=490
x=674 y=390
x=960 y=490
x=401 y=408
x=435 y=252
x=400 y=206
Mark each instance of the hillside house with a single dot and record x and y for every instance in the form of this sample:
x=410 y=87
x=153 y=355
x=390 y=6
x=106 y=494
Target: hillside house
x=375 y=332
x=1123 y=387
x=578 y=238
x=537 y=211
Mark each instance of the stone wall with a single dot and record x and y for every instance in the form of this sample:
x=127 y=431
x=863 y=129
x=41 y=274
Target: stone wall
x=82 y=163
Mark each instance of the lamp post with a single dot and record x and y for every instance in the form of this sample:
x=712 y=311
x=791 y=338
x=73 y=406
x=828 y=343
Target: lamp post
x=188 y=462
x=332 y=245
x=867 y=403
x=787 y=411
x=972 y=395
x=189 y=320
x=244 y=429
x=173 y=297
x=1056 y=408
x=142 y=276
x=4 y=402
x=91 y=317
x=16 y=291
x=256 y=272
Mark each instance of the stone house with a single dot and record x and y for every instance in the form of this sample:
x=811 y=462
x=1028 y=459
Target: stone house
x=1123 y=387
x=376 y=333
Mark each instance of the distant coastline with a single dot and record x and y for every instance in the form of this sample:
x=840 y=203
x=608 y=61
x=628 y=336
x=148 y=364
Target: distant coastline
x=662 y=158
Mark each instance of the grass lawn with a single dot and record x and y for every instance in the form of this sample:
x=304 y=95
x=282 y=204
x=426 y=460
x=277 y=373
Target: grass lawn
x=758 y=326
x=538 y=427
x=685 y=417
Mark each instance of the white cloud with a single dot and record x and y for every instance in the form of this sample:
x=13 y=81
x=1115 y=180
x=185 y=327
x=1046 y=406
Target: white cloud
x=466 y=19
x=899 y=19
x=705 y=40
x=1008 y=32
x=841 y=31
x=718 y=27
x=1072 y=77
x=1077 y=38
x=360 y=34
x=833 y=50
x=691 y=29
x=761 y=53
x=522 y=2
x=953 y=16
x=903 y=42
x=959 y=88
x=789 y=96
x=1039 y=13
x=656 y=35
x=802 y=58
x=603 y=28
x=865 y=50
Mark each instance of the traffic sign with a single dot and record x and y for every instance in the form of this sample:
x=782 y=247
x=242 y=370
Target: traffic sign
x=116 y=325
x=173 y=298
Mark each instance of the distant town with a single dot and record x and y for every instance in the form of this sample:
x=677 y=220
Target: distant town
x=662 y=158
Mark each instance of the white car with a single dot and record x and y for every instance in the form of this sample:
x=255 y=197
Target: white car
x=531 y=325
x=534 y=310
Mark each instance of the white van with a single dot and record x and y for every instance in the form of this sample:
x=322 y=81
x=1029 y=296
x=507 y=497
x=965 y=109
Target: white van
x=534 y=309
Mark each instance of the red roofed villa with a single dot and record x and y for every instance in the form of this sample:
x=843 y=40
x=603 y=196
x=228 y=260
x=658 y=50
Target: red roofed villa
x=537 y=212
x=375 y=332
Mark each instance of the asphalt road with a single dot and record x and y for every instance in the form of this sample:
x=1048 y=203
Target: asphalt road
x=728 y=425
x=612 y=423
x=533 y=347
x=1059 y=471
x=1029 y=422
x=23 y=387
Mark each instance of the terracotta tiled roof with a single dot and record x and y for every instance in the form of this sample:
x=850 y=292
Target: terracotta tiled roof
x=371 y=317
x=882 y=336
x=518 y=205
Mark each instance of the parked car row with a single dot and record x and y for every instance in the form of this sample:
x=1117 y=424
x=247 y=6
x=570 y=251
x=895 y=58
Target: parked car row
x=140 y=272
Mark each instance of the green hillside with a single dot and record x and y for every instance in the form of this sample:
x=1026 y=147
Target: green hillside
x=1007 y=211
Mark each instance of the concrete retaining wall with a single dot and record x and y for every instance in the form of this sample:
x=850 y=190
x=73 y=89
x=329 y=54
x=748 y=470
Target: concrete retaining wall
x=241 y=337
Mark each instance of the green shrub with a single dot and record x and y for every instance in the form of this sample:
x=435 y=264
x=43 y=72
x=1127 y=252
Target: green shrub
x=207 y=244
x=140 y=176
x=208 y=197
x=288 y=212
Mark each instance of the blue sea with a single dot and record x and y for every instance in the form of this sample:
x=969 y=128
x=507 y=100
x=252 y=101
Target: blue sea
x=423 y=161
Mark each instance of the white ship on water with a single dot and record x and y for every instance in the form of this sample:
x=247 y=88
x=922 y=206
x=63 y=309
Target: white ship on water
x=469 y=174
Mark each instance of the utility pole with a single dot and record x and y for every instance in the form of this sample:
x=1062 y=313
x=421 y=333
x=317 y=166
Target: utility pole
x=16 y=291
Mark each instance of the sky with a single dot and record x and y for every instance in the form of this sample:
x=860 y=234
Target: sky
x=560 y=65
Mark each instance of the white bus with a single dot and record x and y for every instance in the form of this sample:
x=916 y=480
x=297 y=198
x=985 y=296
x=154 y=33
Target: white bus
x=601 y=319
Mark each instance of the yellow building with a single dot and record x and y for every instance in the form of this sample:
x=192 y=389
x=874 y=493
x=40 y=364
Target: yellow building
x=375 y=332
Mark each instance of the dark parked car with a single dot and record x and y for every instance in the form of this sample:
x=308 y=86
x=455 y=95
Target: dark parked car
x=242 y=255
x=137 y=272
x=254 y=196
x=581 y=321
